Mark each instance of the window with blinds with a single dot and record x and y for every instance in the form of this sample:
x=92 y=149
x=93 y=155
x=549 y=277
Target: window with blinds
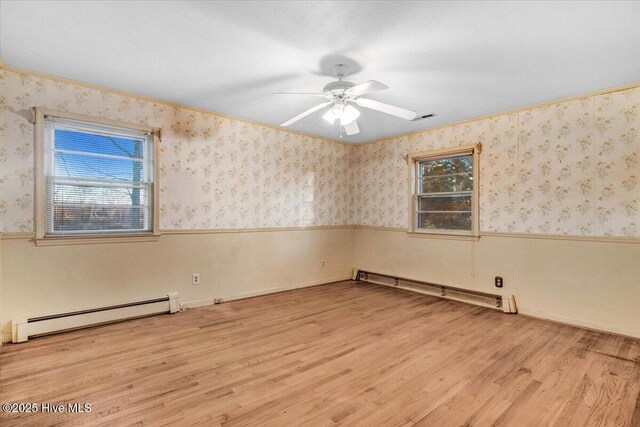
x=445 y=193
x=97 y=178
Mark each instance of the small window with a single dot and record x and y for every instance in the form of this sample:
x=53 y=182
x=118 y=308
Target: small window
x=96 y=179
x=444 y=192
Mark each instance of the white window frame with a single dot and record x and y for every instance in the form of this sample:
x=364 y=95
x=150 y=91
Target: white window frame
x=40 y=203
x=413 y=161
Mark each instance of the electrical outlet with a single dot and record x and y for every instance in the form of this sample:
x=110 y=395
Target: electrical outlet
x=323 y=263
x=498 y=282
x=195 y=279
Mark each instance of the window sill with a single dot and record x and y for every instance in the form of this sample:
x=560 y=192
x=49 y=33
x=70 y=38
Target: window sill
x=447 y=236
x=93 y=240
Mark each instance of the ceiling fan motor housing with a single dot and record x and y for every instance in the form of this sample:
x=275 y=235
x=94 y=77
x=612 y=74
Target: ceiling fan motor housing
x=337 y=88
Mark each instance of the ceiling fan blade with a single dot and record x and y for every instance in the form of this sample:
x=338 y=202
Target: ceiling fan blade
x=351 y=128
x=299 y=93
x=364 y=88
x=305 y=114
x=387 y=108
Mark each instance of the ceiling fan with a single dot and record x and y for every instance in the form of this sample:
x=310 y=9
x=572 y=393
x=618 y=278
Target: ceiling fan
x=343 y=94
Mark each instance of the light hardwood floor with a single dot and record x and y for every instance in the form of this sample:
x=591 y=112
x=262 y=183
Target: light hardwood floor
x=345 y=353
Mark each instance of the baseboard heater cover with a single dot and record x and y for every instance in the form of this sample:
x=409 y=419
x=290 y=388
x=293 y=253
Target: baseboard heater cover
x=506 y=303
x=23 y=329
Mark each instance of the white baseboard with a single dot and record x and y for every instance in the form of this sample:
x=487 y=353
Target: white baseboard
x=585 y=324
x=525 y=311
x=6 y=336
x=242 y=295
x=543 y=315
x=196 y=303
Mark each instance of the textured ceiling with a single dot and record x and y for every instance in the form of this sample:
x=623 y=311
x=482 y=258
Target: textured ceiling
x=458 y=60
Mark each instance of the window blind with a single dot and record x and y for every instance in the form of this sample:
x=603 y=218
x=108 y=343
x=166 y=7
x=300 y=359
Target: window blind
x=98 y=178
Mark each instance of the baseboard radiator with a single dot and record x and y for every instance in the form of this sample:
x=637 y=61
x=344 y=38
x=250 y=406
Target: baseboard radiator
x=23 y=329
x=506 y=303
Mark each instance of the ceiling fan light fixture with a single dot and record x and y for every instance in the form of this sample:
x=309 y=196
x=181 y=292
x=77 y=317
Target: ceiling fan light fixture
x=349 y=114
x=333 y=114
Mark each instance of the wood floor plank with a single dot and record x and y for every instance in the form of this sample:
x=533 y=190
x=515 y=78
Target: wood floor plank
x=347 y=353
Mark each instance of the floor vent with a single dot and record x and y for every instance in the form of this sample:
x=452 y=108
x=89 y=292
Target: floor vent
x=505 y=303
x=23 y=329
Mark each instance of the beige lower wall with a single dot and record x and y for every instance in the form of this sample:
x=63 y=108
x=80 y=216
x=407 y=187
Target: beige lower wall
x=1 y=291
x=595 y=284
x=42 y=280
x=589 y=283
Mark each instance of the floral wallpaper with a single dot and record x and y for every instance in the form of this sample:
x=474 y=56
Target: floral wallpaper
x=617 y=163
x=215 y=172
x=569 y=168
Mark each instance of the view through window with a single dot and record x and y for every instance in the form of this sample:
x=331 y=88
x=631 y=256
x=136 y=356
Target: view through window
x=98 y=179
x=444 y=193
